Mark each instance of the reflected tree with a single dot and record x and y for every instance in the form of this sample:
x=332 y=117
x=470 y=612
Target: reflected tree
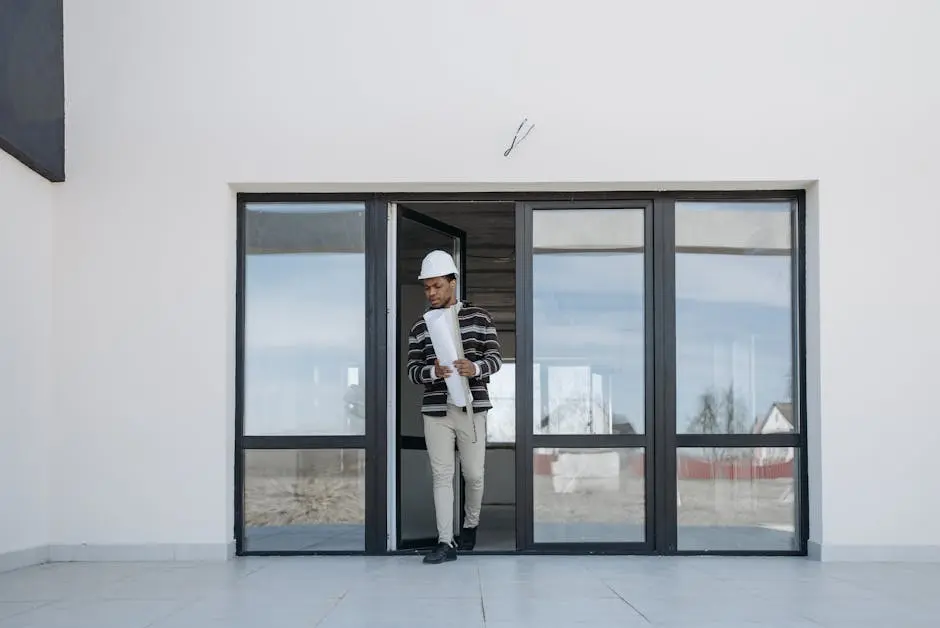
x=706 y=419
x=720 y=412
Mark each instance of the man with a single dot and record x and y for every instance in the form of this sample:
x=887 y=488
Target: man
x=444 y=422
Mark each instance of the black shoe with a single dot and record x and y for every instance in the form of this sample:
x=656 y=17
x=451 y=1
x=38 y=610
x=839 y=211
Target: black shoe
x=441 y=554
x=468 y=539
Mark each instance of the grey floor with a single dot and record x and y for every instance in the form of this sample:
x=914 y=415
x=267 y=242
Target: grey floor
x=474 y=591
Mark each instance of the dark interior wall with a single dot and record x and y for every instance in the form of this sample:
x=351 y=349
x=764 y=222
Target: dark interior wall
x=32 y=86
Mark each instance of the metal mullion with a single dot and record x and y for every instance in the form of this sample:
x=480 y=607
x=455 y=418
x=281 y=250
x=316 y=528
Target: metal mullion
x=636 y=202
x=651 y=473
x=501 y=446
x=664 y=295
x=737 y=440
x=591 y=441
x=594 y=548
x=240 y=248
x=613 y=198
x=376 y=377
x=739 y=553
x=304 y=442
x=798 y=379
x=312 y=552
x=524 y=378
x=416 y=443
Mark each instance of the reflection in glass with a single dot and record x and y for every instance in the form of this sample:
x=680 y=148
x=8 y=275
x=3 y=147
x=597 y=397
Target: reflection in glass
x=588 y=340
x=737 y=499
x=733 y=318
x=501 y=420
x=418 y=520
x=304 y=500
x=415 y=241
x=305 y=319
x=589 y=495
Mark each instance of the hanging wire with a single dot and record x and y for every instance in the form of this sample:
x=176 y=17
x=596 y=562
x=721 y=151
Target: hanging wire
x=518 y=140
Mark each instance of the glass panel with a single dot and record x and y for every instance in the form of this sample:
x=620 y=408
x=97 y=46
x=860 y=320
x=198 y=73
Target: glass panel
x=415 y=241
x=737 y=499
x=501 y=420
x=305 y=319
x=588 y=337
x=304 y=500
x=733 y=318
x=498 y=516
x=589 y=495
x=418 y=521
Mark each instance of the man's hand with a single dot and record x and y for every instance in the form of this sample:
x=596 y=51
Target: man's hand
x=440 y=370
x=465 y=368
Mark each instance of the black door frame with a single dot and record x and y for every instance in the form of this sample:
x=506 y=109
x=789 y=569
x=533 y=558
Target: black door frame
x=526 y=440
x=416 y=443
x=373 y=442
x=660 y=268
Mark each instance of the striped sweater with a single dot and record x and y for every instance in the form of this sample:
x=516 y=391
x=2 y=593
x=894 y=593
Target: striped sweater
x=480 y=346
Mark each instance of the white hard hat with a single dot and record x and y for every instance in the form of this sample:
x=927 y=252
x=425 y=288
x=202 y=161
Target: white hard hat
x=437 y=264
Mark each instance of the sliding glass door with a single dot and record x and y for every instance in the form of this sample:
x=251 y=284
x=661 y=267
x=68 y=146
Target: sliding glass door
x=658 y=372
x=737 y=427
x=658 y=376
x=309 y=377
x=582 y=373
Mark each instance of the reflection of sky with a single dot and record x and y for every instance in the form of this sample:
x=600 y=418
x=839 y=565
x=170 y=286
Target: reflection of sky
x=588 y=310
x=306 y=318
x=732 y=316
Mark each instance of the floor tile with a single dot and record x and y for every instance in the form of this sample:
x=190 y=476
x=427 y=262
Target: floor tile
x=250 y=612
x=94 y=614
x=558 y=588
x=64 y=581
x=10 y=609
x=768 y=622
x=555 y=611
x=600 y=591
x=416 y=612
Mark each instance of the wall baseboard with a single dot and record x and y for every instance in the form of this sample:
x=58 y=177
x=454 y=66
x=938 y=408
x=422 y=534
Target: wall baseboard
x=195 y=552
x=24 y=558
x=142 y=552
x=873 y=553
x=206 y=552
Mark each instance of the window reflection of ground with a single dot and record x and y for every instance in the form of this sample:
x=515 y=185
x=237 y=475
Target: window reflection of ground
x=290 y=487
x=501 y=420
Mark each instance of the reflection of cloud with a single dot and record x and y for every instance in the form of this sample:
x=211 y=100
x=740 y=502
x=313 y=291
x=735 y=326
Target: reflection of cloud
x=734 y=279
x=730 y=279
x=319 y=324
x=597 y=343
x=588 y=273
x=316 y=301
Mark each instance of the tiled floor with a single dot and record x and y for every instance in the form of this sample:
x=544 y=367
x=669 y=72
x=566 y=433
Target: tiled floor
x=474 y=591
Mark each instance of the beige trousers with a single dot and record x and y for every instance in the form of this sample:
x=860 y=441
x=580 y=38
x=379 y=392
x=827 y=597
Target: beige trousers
x=441 y=433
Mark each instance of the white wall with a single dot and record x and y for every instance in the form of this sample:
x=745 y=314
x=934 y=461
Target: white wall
x=172 y=102
x=26 y=206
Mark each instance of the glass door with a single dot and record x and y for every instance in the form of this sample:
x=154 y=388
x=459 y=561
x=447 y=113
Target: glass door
x=584 y=411
x=736 y=420
x=417 y=235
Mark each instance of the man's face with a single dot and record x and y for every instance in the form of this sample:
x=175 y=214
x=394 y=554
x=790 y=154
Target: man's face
x=439 y=291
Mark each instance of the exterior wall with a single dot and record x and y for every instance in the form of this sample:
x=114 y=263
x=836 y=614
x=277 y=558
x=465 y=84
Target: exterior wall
x=173 y=105
x=25 y=326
